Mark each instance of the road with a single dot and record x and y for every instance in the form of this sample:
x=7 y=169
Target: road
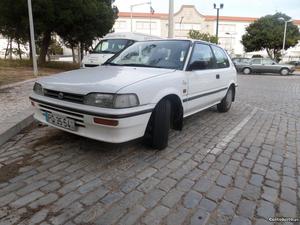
x=240 y=167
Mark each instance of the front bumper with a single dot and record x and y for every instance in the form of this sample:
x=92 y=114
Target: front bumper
x=132 y=122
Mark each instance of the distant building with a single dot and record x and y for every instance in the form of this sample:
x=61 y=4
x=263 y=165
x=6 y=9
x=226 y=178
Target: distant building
x=188 y=17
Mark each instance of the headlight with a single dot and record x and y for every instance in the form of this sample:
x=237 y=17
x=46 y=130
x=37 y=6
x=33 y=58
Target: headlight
x=100 y=100
x=126 y=101
x=111 y=100
x=38 y=89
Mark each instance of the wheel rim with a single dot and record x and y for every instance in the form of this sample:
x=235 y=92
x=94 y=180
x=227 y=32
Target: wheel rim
x=284 y=72
x=246 y=71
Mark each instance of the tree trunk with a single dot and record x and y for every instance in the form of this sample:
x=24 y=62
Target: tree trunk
x=269 y=51
x=73 y=54
x=45 y=45
x=10 y=49
x=7 y=46
x=19 y=50
x=79 y=53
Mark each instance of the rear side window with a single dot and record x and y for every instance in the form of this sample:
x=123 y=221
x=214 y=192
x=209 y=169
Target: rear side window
x=202 y=57
x=256 y=61
x=221 y=58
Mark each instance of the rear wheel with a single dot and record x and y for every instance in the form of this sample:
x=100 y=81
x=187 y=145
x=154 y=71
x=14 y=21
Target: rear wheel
x=157 y=132
x=226 y=102
x=246 y=71
x=284 y=71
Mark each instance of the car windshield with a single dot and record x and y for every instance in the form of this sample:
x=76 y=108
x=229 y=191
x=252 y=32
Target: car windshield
x=156 y=54
x=111 y=46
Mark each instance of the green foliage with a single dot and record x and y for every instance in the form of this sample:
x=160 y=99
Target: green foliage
x=74 y=20
x=197 y=35
x=266 y=33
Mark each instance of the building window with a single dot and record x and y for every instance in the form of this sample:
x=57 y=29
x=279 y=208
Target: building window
x=227 y=43
x=120 y=25
x=145 y=25
x=187 y=26
x=227 y=27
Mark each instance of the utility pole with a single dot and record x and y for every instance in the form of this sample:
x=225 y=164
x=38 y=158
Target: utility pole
x=33 y=49
x=171 y=19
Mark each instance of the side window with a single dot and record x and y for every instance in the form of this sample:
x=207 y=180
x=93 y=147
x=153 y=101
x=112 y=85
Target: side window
x=268 y=61
x=202 y=58
x=221 y=58
x=256 y=61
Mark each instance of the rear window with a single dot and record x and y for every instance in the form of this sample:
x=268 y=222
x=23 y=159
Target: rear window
x=111 y=46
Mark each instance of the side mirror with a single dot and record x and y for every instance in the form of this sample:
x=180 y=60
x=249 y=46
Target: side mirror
x=273 y=63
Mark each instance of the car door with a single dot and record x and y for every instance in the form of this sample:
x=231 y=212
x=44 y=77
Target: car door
x=223 y=67
x=203 y=79
x=256 y=65
x=270 y=66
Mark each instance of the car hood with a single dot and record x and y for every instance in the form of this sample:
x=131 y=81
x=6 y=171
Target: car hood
x=106 y=79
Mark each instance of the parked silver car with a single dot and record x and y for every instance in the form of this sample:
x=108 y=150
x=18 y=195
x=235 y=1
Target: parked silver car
x=261 y=65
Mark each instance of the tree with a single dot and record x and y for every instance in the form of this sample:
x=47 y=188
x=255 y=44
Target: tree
x=13 y=24
x=197 y=35
x=78 y=20
x=82 y=23
x=266 y=33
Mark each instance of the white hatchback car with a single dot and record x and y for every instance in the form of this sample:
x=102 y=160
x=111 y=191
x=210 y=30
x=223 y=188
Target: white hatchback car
x=142 y=92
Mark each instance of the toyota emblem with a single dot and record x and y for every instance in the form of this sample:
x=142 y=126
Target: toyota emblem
x=61 y=95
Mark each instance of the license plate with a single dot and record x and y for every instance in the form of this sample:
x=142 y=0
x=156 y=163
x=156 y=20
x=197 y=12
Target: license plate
x=60 y=121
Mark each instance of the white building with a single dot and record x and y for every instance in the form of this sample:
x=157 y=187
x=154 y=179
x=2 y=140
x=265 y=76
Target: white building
x=231 y=29
x=188 y=17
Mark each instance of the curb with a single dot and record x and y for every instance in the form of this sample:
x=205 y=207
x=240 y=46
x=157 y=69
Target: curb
x=17 y=83
x=15 y=124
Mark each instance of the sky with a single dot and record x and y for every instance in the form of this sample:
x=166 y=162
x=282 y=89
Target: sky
x=250 y=8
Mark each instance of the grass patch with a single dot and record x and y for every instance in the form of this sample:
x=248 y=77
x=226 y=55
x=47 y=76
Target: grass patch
x=28 y=63
x=12 y=71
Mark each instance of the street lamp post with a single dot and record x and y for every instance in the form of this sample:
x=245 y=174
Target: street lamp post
x=231 y=40
x=218 y=9
x=131 y=11
x=33 y=49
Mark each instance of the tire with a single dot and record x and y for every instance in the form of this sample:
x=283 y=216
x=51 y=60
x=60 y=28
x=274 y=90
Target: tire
x=284 y=71
x=226 y=102
x=246 y=71
x=157 y=132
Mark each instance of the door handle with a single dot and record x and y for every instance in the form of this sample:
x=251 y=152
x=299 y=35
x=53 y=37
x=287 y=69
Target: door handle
x=218 y=76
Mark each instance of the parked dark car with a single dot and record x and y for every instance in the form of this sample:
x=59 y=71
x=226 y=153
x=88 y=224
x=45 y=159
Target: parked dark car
x=295 y=63
x=240 y=60
x=261 y=65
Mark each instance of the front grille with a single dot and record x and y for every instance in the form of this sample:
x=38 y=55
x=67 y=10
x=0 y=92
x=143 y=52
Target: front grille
x=64 y=96
x=90 y=65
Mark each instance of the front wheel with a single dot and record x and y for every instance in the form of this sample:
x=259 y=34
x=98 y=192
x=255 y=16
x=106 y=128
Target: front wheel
x=157 y=131
x=226 y=102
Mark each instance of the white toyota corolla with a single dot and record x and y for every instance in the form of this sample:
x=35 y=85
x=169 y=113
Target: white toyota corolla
x=142 y=92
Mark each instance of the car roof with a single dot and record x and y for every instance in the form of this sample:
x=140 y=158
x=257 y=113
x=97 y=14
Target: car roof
x=186 y=39
x=131 y=36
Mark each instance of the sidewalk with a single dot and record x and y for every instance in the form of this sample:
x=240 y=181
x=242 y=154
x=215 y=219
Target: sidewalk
x=15 y=109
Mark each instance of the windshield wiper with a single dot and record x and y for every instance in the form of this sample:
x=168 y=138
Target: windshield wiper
x=106 y=51
x=111 y=64
x=141 y=65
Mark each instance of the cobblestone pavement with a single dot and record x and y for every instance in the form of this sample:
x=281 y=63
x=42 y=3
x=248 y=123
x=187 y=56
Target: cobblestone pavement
x=238 y=168
x=14 y=100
